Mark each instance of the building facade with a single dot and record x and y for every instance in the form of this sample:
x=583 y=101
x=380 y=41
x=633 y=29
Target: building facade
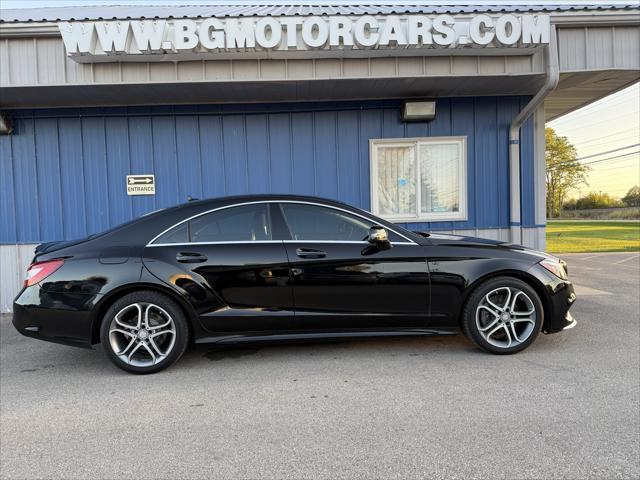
x=431 y=117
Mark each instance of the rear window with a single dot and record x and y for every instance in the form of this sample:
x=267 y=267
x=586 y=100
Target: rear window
x=179 y=234
x=244 y=223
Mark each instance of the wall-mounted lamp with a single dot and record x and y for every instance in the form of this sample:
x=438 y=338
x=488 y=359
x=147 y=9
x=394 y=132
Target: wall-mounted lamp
x=418 y=110
x=5 y=124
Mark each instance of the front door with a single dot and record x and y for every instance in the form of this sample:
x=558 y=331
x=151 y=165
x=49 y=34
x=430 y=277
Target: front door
x=341 y=282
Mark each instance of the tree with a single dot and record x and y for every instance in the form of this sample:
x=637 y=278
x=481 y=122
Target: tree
x=597 y=200
x=632 y=198
x=570 y=204
x=564 y=171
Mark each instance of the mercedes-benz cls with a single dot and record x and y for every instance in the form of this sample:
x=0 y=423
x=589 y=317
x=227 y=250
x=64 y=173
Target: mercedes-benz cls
x=283 y=267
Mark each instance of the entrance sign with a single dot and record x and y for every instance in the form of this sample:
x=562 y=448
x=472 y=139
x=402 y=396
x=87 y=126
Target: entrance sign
x=141 y=185
x=165 y=39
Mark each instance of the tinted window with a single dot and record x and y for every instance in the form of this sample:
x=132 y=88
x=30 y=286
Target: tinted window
x=312 y=222
x=180 y=234
x=242 y=223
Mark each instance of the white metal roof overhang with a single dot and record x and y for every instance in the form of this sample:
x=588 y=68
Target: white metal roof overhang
x=598 y=50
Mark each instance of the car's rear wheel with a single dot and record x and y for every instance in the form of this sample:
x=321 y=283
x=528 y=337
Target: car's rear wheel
x=144 y=332
x=503 y=315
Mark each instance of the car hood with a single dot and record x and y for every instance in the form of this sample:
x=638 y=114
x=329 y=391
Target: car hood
x=464 y=241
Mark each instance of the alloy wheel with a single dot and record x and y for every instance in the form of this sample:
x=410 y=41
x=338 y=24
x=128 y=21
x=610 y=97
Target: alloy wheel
x=506 y=317
x=142 y=334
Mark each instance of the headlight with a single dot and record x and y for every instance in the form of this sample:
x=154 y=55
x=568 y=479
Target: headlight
x=557 y=267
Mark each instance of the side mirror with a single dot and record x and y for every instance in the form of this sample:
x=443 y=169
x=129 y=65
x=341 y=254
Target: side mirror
x=379 y=237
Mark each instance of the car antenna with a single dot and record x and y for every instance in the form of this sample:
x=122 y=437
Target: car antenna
x=191 y=199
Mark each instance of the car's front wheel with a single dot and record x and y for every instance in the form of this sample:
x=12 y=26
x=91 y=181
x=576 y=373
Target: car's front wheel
x=144 y=332
x=503 y=315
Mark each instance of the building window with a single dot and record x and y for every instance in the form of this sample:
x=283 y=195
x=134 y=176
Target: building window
x=419 y=179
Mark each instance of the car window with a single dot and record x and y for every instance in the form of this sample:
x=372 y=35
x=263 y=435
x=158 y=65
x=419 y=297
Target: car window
x=234 y=224
x=180 y=234
x=314 y=222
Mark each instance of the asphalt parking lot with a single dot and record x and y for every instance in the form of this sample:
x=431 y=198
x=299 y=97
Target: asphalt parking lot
x=385 y=408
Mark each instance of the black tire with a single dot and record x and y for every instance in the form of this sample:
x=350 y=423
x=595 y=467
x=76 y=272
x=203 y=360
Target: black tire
x=175 y=349
x=470 y=326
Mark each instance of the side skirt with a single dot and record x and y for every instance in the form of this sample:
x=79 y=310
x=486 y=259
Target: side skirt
x=319 y=336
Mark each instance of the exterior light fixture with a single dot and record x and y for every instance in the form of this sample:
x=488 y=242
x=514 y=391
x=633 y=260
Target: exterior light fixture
x=418 y=110
x=5 y=124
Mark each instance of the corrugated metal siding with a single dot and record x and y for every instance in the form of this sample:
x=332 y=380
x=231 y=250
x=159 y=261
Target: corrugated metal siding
x=599 y=48
x=248 y=10
x=63 y=171
x=43 y=61
x=14 y=260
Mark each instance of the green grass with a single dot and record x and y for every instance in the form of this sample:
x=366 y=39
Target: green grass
x=603 y=236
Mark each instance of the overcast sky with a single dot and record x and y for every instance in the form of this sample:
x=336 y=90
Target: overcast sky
x=610 y=124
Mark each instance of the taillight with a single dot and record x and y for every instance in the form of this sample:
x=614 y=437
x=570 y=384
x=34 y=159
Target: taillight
x=41 y=270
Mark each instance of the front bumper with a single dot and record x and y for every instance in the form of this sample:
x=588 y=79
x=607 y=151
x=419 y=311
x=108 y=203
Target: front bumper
x=572 y=321
x=561 y=298
x=54 y=316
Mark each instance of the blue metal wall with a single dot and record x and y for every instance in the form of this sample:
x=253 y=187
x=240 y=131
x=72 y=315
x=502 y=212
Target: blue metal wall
x=62 y=172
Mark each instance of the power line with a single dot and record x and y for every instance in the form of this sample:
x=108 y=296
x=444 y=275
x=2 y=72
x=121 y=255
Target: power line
x=594 y=106
x=619 y=164
x=605 y=102
x=630 y=90
x=608 y=151
x=591 y=110
x=616 y=182
x=613 y=108
x=618 y=133
x=610 y=143
x=608 y=168
x=636 y=114
x=632 y=161
x=615 y=134
x=594 y=161
x=625 y=131
x=615 y=170
x=614 y=178
x=611 y=158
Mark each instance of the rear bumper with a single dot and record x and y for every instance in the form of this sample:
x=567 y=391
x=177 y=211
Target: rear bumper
x=53 y=316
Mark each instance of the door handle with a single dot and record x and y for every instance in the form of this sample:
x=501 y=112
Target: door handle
x=190 y=257
x=310 y=253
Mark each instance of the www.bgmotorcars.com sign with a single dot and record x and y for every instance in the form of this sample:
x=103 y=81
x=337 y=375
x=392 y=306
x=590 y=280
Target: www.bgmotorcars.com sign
x=163 y=39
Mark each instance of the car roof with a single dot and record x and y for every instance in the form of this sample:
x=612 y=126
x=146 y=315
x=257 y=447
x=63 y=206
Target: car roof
x=141 y=230
x=233 y=199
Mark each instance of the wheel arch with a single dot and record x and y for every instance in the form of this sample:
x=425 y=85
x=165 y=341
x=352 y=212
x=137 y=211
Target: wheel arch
x=529 y=279
x=114 y=295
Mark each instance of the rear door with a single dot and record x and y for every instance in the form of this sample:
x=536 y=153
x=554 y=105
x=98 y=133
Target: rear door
x=231 y=266
x=341 y=282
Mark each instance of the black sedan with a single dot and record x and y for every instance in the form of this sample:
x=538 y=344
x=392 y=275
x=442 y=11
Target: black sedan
x=283 y=267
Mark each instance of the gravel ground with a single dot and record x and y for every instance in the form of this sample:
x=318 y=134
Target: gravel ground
x=568 y=407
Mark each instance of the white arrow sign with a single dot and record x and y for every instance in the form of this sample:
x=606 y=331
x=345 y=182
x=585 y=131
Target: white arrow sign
x=140 y=180
x=141 y=185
